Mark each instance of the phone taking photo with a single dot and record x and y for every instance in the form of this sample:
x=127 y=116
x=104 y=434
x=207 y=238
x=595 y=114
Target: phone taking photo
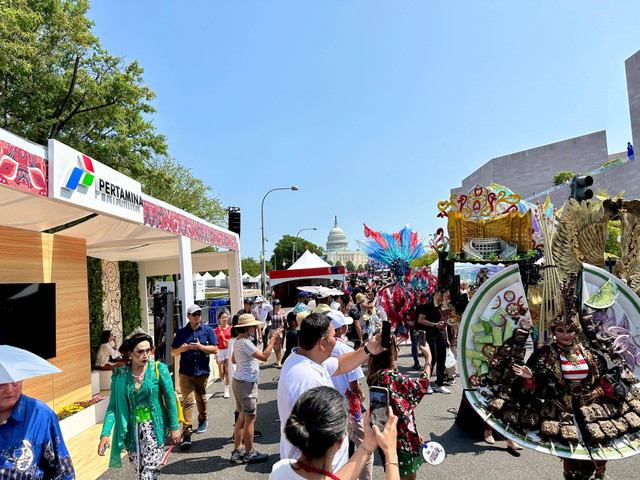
x=379 y=405
x=385 y=339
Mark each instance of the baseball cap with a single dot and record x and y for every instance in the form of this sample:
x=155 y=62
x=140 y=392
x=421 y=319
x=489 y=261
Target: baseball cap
x=276 y=301
x=259 y=299
x=303 y=295
x=193 y=308
x=338 y=319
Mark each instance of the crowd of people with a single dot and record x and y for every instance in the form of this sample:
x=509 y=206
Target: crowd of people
x=325 y=346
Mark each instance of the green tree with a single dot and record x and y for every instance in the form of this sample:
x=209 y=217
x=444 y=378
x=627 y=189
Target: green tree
x=350 y=266
x=284 y=249
x=251 y=266
x=562 y=177
x=56 y=81
x=338 y=263
x=167 y=180
x=425 y=260
x=361 y=267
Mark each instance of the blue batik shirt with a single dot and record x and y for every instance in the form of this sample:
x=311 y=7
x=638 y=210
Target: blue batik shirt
x=31 y=444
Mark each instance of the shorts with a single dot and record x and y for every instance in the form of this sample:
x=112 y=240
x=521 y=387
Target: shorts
x=246 y=394
x=408 y=463
x=223 y=355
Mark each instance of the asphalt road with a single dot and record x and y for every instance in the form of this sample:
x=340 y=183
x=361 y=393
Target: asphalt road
x=468 y=457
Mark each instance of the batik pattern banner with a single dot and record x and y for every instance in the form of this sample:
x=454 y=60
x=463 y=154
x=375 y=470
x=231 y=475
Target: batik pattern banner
x=22 y=169
x=111 y=304
x=164 y=219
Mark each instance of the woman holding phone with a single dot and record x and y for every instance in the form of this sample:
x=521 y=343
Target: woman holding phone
x=404 y=396
x=317 y=426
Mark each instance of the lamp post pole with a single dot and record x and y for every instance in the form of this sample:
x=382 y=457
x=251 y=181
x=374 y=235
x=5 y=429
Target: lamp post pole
x=294 y=253
x=262 y=259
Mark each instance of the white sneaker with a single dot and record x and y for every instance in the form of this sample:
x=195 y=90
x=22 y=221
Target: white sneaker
x=429 y=390
x=226 y=393
x=438 y=389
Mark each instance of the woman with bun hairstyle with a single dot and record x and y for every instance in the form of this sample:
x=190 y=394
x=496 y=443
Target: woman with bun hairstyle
x=142 y=409
x=317 y=426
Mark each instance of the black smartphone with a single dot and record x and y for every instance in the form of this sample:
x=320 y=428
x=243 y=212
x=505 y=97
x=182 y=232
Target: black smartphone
x=385 y=340
x=379 y=403
x=422 y=338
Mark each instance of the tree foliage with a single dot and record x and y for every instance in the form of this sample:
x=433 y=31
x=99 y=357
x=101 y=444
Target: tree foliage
x=167 y=180
x=284 y=250
x=562 y=177
x=56 y=81
x=251 y=266
x=425 y=260
x=350 y=266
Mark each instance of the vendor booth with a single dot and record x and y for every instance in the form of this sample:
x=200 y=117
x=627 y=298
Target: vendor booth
x=43 y=188
x=308 y=269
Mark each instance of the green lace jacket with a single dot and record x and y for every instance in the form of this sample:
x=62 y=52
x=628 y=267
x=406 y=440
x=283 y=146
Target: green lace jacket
x=156 y=392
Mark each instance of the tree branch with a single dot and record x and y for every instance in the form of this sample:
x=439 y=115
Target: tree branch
x=56 y=126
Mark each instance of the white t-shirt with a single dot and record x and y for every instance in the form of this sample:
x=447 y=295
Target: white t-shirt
x=298 y=375
x=341 y=382
x=232 y=366
x=282 y=470
x=247 y=367
x=104 y=352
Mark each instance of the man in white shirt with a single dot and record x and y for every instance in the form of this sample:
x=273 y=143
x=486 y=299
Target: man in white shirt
x=347 y=384
x=311 y=365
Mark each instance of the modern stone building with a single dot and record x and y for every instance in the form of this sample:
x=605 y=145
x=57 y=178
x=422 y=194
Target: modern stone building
x=338 y=248
x=530 y=172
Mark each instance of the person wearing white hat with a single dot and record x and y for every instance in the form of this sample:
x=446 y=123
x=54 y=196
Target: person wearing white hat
x=194 y=343
x=323 y=300
x=347 y=384
x=31 y=443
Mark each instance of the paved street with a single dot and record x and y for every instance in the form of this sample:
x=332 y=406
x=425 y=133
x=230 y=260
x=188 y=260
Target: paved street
x=466 y=457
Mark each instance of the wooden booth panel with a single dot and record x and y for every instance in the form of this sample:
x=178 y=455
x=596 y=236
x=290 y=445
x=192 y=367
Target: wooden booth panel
x=27 y=256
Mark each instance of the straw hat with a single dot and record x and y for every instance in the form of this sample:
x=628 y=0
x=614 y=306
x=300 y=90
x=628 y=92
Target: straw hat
x=360 y=297
x=247 y=320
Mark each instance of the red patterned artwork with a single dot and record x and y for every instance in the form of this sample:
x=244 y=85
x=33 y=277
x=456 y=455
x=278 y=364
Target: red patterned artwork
x=23 y=170
x=164 y=219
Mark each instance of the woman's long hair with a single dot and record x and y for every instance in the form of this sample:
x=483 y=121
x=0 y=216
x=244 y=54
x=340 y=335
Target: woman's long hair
x=317 y=421
x=385 y=360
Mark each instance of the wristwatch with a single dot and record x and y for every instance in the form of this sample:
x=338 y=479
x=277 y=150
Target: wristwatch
x=366 y=350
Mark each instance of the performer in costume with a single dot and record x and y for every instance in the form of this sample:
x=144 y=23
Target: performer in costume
x=571 y=375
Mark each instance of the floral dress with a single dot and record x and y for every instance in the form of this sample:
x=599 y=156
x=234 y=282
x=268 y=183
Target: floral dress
x=405 y=396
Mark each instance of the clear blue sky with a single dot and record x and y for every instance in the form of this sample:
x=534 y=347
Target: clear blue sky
x=375 y=109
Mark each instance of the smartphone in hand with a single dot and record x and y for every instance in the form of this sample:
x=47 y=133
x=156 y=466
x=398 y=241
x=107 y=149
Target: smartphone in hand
x=379 y=404
x=385 y=339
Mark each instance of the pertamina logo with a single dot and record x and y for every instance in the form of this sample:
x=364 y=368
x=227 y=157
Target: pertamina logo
x=82 y=176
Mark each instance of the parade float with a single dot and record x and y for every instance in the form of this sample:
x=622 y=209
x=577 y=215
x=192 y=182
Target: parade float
x=554 y=270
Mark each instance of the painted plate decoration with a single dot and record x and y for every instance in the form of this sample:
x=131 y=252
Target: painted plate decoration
x=509 y=296
x=513 y=309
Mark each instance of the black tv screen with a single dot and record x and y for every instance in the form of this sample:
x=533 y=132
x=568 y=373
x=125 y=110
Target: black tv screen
x=28 y=317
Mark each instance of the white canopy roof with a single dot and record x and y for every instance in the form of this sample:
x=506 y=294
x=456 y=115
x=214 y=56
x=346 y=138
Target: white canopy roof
x=220 y=276
x=308 y=260
x=207 y=276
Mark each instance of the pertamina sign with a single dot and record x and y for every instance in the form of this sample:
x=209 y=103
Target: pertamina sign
x=83 y=181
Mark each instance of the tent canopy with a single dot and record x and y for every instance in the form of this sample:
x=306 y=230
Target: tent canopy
x=308 y=260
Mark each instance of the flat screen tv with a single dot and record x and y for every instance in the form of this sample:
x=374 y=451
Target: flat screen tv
x=28 y=317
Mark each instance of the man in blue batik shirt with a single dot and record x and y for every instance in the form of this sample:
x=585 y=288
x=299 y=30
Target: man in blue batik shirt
x=31 y=444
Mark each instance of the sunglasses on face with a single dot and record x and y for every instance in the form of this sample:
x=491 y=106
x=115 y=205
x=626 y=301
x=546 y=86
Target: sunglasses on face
x=196 y=314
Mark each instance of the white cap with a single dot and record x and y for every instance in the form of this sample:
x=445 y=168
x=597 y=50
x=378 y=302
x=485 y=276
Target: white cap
x=193 y=308
x=338 y=319
x=259 y=299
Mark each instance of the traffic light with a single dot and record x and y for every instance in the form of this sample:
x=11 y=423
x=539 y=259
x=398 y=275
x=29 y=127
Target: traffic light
x=579 y=187
x=234 y=219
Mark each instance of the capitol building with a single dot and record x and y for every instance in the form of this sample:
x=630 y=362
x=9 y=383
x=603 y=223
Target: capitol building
x=338 y=248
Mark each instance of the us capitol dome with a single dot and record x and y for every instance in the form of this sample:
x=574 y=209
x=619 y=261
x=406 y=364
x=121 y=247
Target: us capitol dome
x=338 y=248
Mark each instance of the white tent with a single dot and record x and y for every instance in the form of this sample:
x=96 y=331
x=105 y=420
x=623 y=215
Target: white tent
x=197 y=276
x=220 y=280
x=308 y=260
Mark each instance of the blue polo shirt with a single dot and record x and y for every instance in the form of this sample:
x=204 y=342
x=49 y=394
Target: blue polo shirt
x=31 y=444
x=194 y=362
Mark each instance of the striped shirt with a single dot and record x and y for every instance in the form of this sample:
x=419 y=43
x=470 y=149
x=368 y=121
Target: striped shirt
x=573 y=372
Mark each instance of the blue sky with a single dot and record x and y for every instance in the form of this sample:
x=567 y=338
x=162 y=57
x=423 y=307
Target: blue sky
x=375 y=109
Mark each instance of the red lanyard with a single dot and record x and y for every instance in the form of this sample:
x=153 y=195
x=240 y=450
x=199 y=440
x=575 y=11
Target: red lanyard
x=309 y=469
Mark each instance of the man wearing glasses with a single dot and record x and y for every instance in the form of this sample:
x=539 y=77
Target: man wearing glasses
x=194 y=343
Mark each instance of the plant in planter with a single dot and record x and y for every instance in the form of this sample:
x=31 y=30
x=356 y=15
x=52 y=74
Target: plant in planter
x=76 y=407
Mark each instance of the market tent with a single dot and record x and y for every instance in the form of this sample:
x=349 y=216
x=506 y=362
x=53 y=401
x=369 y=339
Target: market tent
x=220 y=280
x=309 y=266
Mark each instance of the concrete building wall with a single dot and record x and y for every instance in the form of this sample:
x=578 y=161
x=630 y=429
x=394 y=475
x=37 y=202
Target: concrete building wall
x=632 y=68
x=531 y=171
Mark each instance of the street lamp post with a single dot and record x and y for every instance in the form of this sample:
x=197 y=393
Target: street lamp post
x=262 y=259
x=294 y=253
